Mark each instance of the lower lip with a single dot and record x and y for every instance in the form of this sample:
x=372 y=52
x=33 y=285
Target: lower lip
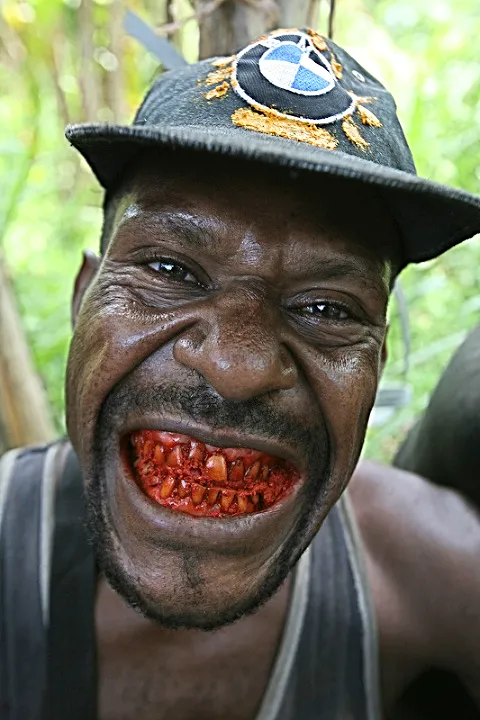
x=186 y=476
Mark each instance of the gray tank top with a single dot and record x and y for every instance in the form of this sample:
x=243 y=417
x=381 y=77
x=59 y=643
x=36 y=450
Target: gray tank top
x=327 y=664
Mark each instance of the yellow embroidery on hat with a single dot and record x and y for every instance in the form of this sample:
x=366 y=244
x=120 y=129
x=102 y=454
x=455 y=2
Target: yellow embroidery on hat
x=223 y=61
x=337 y=67
x=219 y=77
x=318 y=40
x=216 y=76
x=284 y=127
x=271 y=111
x=217 y=92
x=361 y=100
x=353 y=133
x=368 y=117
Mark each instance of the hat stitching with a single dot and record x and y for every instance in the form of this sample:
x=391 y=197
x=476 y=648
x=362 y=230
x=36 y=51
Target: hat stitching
x=318 y=40
x=217 y=92
x=353 y=133
x=336 y=66
x=284 y=127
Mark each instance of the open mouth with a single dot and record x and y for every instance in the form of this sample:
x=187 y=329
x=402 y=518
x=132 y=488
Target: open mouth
x=189 y=476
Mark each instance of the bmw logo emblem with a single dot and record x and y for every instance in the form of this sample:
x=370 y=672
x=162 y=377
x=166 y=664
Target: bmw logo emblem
x=284 y=73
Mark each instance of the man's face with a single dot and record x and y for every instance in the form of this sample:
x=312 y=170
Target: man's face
x=238 y=314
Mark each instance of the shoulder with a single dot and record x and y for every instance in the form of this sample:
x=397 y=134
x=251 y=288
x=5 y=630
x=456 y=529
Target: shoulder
x=423 y=552
x=29 y=478
x=410 y=511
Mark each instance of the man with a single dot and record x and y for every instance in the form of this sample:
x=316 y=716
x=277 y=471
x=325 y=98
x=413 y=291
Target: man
x=225 y=358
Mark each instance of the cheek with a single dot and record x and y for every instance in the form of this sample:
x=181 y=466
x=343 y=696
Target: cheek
x=113 y=335
x=345 y=384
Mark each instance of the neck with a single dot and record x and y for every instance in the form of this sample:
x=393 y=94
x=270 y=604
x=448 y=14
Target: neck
x=134 y=652
x=114 y=616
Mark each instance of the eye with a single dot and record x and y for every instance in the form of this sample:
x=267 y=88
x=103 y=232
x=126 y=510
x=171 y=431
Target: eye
x=173 y=271
x=334 y=312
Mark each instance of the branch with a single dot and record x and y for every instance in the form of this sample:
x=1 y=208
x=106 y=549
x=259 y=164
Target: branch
x=56 y=54
x=331 y=19
x=268 y=7
x=205 y=10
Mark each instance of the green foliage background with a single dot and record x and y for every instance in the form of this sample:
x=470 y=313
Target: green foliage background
x=426 y=53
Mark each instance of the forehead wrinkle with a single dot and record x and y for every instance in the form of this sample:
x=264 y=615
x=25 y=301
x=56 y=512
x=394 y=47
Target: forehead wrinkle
x=187 y=227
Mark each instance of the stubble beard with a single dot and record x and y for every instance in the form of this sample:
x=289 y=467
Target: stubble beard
x=109 y=553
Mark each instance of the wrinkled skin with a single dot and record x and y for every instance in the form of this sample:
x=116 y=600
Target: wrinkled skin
x=275 y=325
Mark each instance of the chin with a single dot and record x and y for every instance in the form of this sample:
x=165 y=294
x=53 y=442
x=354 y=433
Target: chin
x=187 y=564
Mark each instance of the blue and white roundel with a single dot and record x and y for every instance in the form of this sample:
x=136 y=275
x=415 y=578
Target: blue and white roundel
x=286 y=74
x=289 y=66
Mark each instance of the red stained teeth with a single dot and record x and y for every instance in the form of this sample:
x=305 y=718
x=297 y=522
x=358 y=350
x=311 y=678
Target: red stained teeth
x=198 y=491
x=159 y=455
x=212 y=496
x=237 y=473
x=174 y=458
x=216 y=467
x=196 y=452
x=253 y=471
x=188 y=475
x=183 y=489
x=147 y=447
x=228 y=497
x=242 y=503
x=167 y=487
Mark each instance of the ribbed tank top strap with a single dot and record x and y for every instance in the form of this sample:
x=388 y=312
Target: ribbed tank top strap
x=334 y=676
x=356 y=553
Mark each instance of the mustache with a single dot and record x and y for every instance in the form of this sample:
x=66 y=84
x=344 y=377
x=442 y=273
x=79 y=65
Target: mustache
x=260 y=416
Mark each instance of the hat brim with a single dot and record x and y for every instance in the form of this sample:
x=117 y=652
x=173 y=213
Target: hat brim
x=432 y=217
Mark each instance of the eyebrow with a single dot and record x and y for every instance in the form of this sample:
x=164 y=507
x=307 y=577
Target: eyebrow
x=359 y=270
x=184 y=225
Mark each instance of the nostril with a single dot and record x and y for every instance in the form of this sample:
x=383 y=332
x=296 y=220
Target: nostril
x=188 y=346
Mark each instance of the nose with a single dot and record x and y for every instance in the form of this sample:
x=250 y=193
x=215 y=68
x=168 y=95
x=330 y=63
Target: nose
x=235 y=345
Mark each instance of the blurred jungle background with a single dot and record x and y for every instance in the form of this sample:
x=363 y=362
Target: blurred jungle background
x=67 y=61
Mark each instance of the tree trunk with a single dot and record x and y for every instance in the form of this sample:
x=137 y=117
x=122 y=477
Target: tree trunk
x=24 y=413
x=295 y=14
x=237 y=22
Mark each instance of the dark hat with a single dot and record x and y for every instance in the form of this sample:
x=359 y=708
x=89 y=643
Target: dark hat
x=296 y=100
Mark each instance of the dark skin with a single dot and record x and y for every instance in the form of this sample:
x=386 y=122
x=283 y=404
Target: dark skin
x=275 y=296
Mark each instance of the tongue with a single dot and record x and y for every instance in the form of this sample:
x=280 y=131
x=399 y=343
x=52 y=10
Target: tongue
x=188 y=475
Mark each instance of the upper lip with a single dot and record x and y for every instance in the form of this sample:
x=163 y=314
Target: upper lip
x=218 y=438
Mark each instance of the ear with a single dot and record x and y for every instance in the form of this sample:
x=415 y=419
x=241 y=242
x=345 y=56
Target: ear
x=384 y=353
x=85 y=275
